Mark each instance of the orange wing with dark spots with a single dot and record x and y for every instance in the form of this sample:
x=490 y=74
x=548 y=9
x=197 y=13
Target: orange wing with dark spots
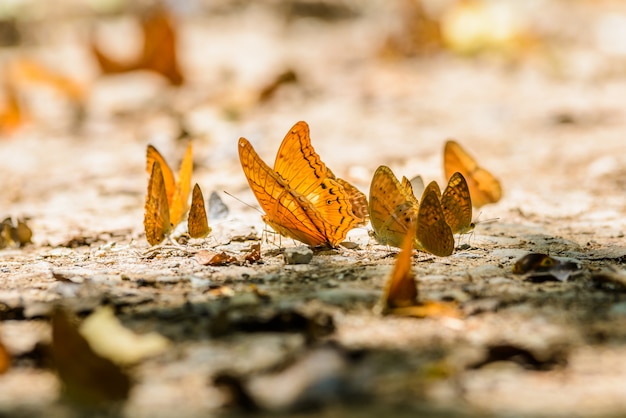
x=301 y=198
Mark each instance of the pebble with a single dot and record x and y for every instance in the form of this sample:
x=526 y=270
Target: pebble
x=298 y=255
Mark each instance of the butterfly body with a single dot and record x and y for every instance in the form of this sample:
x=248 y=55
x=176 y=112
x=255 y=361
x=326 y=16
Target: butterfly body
x=301 y=197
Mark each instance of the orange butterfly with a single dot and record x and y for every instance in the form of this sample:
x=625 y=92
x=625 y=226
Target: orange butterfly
x=400 y=294
x=393 y=208
x=167 y=201
x=484 y=187
x=433 y=232
x=301 y=197
x=159 y=50
x=197 y=223
x=457 y=205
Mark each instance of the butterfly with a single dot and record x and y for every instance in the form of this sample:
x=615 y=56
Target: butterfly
x=393 y=208
x=302 y=199
x=434 y=235
x=483 y=186
x=457 y=205
x=158 y=53
x=166 y=200
x=197 y=223
x=400 y=294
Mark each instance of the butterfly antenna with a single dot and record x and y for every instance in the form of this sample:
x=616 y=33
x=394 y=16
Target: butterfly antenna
x=486 y=221
x=241 y=201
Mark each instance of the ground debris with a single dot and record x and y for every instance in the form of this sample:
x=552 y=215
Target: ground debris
x=298 y=255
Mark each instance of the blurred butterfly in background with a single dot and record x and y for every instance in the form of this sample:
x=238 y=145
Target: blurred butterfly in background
x=483 y=186
x=302 y=199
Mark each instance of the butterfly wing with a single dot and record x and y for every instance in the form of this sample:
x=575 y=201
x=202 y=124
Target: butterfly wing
x=432 y=187
x=197 y=223
x=156 y=219
x=433 y=233
x=401 y=290
x=153 y=155
x=301 y=169
x=417 y=185
x=457 y=204
x=358 y=202
x=287 y=212
x=484 y=187
x=180 y=201
x=392 y=207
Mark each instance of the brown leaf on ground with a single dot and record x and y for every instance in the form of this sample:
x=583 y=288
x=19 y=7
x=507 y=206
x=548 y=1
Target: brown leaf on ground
x=87 y=378
x=254 y=254
x=211 y=258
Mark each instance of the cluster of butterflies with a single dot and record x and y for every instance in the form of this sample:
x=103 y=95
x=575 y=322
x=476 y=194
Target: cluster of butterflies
x=303 y=199
x=167 y=201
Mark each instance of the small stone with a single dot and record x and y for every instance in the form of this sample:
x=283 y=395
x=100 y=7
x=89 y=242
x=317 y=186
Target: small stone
x=298 y=255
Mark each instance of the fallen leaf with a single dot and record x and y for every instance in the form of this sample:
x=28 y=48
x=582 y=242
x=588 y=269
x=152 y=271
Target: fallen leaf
x=539 y=268
x=254 y=254
x=87 y=378
x=110 y=339
x=212 y=258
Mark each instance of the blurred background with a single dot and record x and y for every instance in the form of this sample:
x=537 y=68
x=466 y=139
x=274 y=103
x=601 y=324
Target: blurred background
x=529 y=87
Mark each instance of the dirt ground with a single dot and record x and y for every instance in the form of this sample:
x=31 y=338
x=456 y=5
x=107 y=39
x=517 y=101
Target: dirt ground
x=548 y=120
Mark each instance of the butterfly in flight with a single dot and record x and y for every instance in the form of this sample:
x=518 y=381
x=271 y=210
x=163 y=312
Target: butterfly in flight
x=301 y=197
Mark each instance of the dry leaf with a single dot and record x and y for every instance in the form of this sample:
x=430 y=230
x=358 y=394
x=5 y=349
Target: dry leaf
x=15 y=235
x=211 y=258
x=87 y=378
x=254 y=254
x=110 y=339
